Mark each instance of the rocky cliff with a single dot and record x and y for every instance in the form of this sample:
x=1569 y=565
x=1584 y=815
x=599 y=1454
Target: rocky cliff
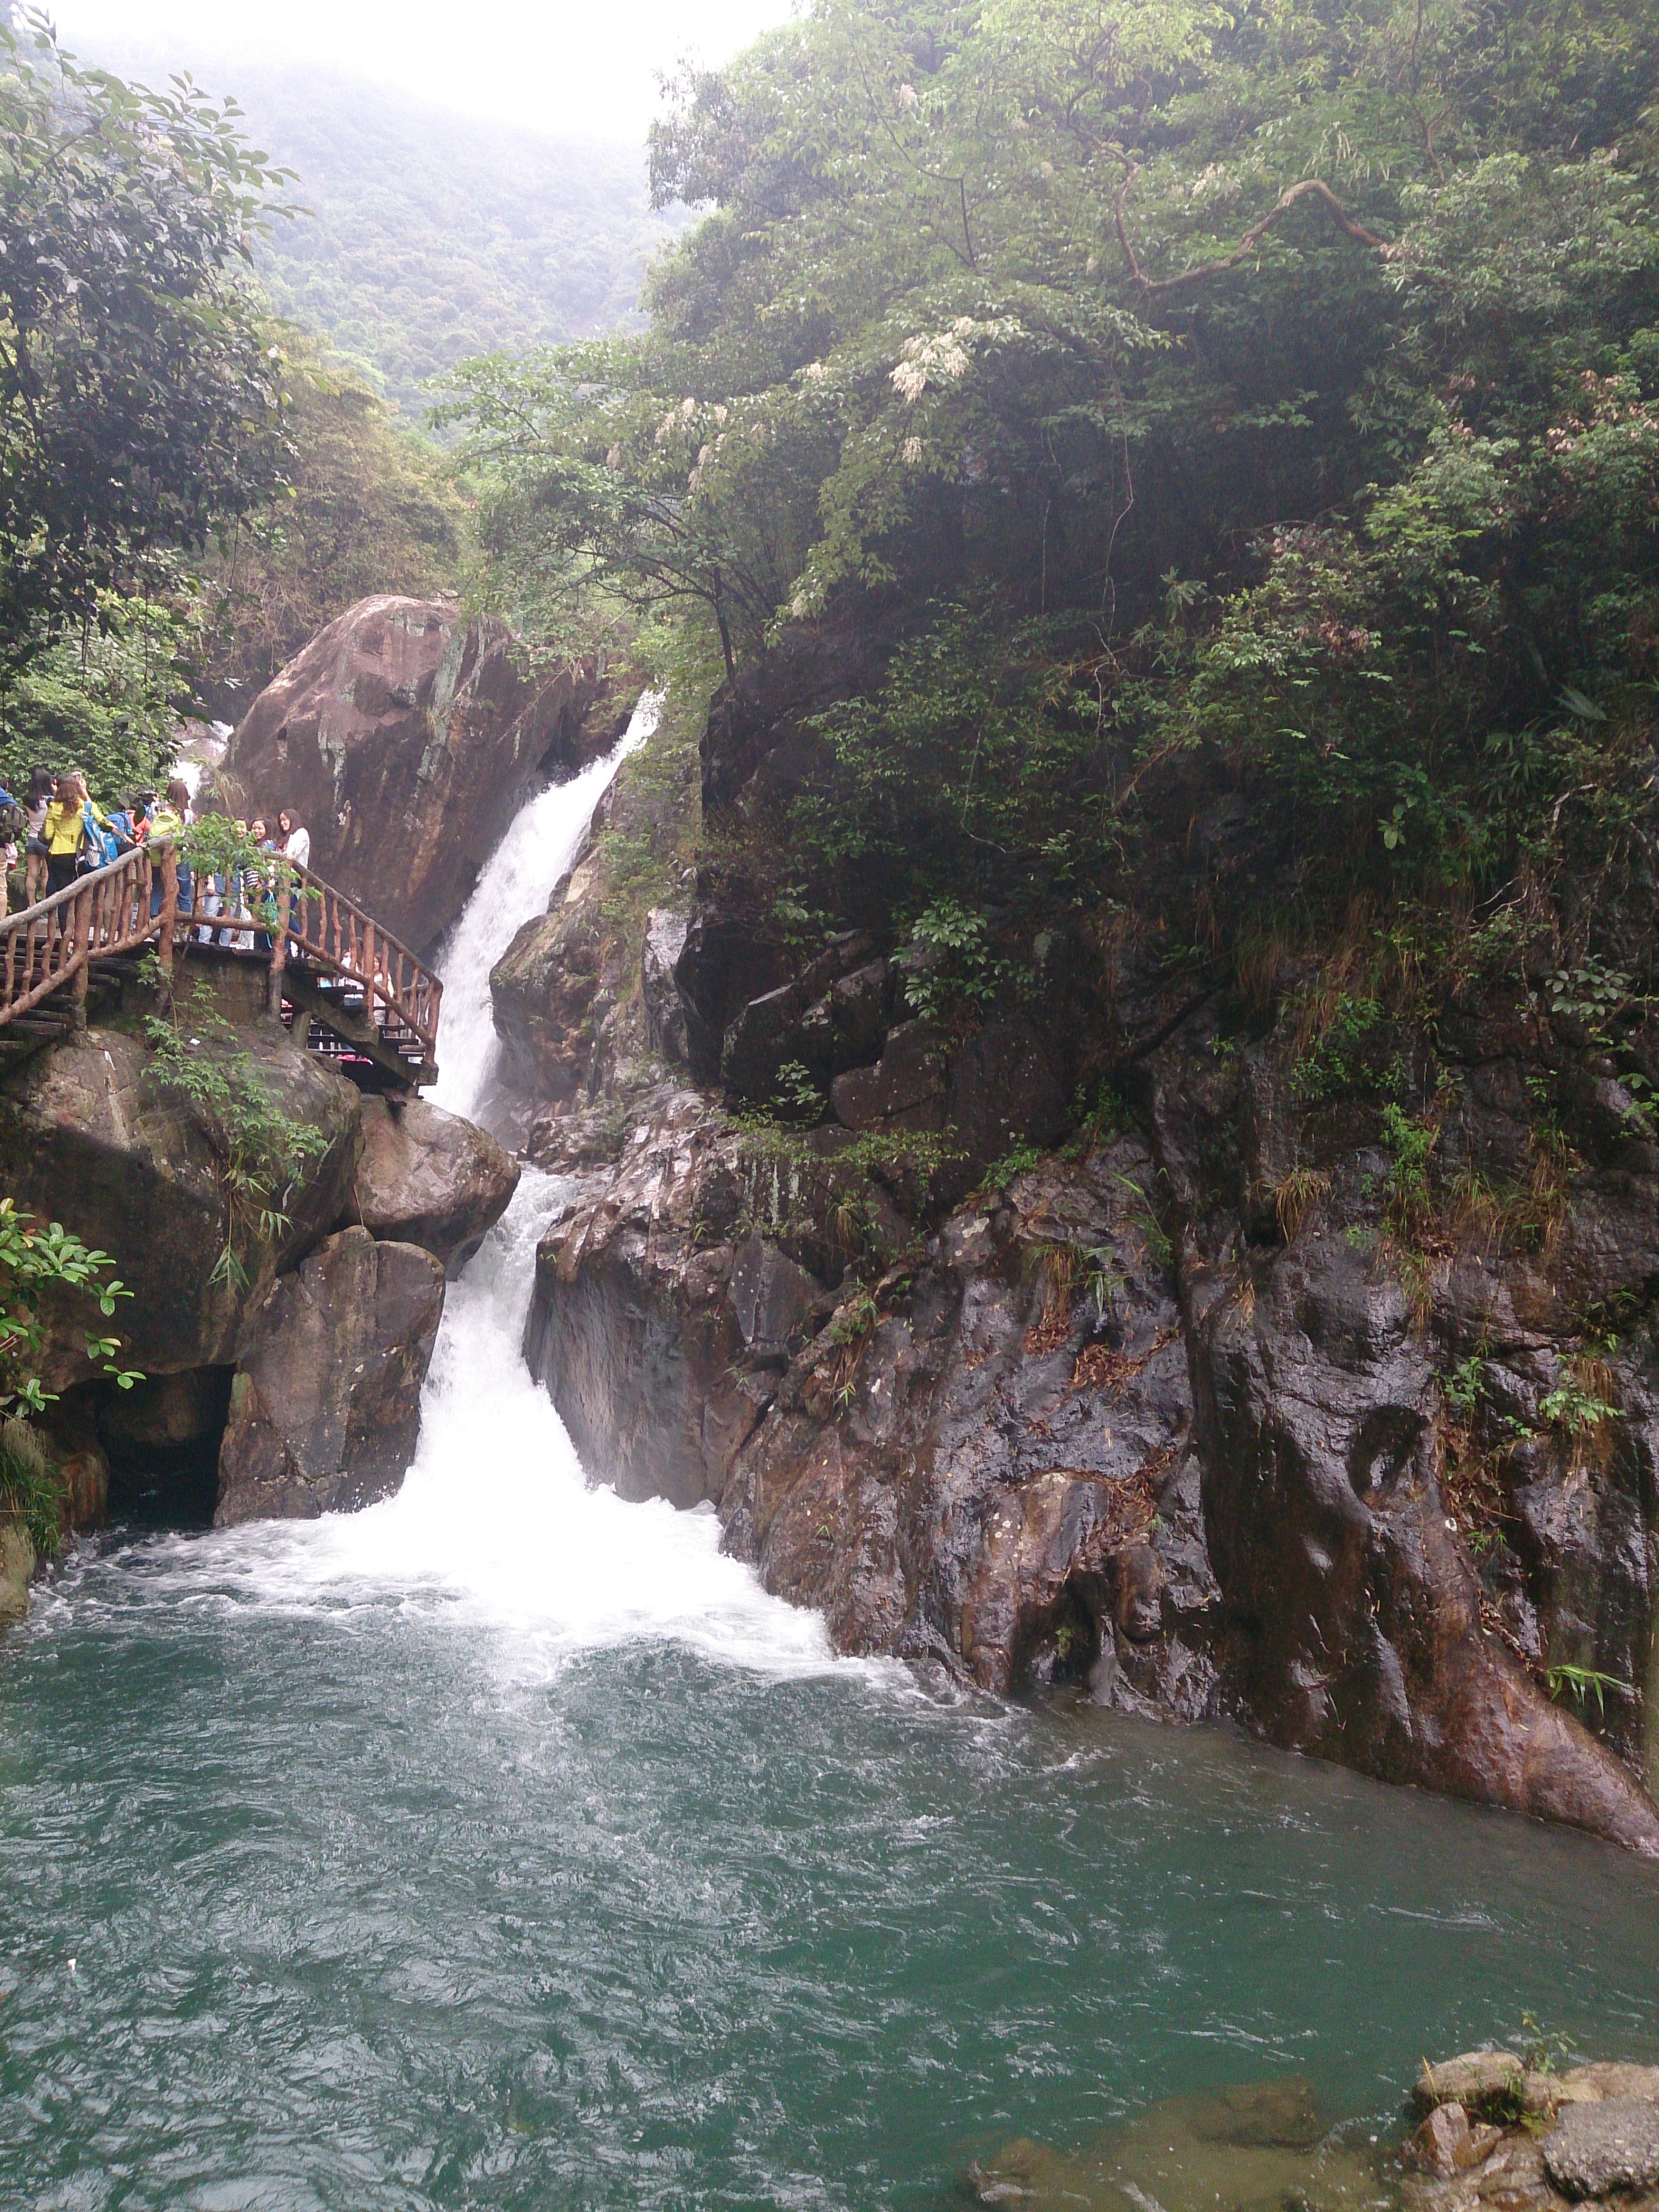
x=283 y=1342
x=406 y=739
x=1229 y=1326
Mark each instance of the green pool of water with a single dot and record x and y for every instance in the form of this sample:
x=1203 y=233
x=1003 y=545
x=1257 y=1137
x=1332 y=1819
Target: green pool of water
x=361 y=1900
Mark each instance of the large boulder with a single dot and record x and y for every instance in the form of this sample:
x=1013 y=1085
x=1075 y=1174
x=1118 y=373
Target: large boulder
x=406 y=739
x=429 y=1178
x=90 y=1139
x=326 y=1406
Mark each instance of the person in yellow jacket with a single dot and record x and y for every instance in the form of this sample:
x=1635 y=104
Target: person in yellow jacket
x=65 y=826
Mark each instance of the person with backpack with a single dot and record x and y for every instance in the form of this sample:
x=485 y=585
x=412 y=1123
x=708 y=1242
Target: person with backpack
x=70 y=821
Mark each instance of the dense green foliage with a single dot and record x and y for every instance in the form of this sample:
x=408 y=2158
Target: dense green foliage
x=100 y=697
x=1279 y=382
x=368 y=507
x=139 y=406
x=430 y=237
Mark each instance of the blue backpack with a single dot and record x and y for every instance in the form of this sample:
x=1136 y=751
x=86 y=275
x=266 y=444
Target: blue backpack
x=98 y=844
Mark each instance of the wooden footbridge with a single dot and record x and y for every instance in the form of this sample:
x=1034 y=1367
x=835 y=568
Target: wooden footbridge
x=367 y=1003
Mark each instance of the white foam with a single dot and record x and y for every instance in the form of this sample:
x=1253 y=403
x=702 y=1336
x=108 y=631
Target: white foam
x=495 y=1526
x=517 y=883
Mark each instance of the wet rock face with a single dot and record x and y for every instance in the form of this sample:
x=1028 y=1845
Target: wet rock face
x=543 y=987
x=1363 y=1632
x=632 y=1327
x=325 y=1406
x=429 y=1178
x=406 y=740
x=89 y=1140
x=987 y=1462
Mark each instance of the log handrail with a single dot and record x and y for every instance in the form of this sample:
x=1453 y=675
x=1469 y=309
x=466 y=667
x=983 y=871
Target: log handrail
x=52 y=944
x=333 y=932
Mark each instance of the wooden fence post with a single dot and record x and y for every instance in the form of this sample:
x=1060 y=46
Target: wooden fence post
x=280 y=897
x=169 y=916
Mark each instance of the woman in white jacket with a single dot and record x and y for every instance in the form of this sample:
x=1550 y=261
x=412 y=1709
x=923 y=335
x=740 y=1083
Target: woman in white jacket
x=293 y=838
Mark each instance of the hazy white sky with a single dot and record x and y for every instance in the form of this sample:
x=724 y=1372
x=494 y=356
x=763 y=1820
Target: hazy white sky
x=565 y=65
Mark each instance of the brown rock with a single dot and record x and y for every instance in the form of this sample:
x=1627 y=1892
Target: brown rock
x=905 y=1090
x=325 y=1409
x=1473 y=2080
x=16 y=1570
x=406 y=741
x=430 y=1178
x=1607 y=2078
x=88 y=1140
x=1442 y=2145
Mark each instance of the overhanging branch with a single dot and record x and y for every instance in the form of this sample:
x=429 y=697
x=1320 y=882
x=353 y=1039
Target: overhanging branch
x=1315 y=186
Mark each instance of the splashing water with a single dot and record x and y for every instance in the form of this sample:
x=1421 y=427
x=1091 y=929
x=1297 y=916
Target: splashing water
x=496 y=1527
x=518 y=881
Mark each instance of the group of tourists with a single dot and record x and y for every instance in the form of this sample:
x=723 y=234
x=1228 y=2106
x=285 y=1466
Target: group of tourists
x=65 y=834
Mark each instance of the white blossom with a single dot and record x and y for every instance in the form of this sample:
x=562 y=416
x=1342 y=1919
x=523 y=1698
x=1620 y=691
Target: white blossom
x=912 y=451
x=941 y=359
x=815 y=372
x=907 y=96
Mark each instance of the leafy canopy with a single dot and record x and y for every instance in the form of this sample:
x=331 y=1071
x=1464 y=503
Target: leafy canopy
x=1280 y=380
x=138 y=402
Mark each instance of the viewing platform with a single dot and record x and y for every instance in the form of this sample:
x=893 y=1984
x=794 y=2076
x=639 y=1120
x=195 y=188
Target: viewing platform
x=368 y=1003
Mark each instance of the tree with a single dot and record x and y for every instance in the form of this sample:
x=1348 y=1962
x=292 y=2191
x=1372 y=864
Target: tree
x=1281 y=381
x=139 y=405
x=368 y=507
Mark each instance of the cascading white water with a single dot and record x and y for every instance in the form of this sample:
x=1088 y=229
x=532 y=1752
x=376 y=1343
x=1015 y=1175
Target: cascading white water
x=496 y=1527
x=518 y=881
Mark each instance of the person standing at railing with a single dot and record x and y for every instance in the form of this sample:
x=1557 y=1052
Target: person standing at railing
x=294 y=839
x=167 y=827
x=69 y=819
x=34 y=845
x=293 y=843
x=12 y=821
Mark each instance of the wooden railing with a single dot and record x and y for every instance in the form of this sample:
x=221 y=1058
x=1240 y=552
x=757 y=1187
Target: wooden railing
x=48 y=947
x=328 y=931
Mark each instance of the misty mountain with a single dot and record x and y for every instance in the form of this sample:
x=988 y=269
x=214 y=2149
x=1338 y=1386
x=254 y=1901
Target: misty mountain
x=430 y=236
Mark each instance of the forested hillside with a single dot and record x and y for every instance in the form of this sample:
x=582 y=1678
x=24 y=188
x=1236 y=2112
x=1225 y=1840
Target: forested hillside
x=431 y=237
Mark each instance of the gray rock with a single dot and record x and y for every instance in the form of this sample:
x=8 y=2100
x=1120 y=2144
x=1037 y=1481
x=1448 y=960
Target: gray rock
x=1597 y=2148
x=764 y=1037
x=324 y=1408
x=1004 y=1091
x=429 y=1178
x=665 y=1011
x=770 y=1297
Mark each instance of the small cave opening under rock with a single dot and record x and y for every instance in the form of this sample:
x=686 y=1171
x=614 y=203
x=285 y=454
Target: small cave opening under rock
x=1063 y=1646
x=161 y=1438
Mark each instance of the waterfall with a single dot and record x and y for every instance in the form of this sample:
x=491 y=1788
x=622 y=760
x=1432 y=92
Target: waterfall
x=517 y=883
x=497 y=1528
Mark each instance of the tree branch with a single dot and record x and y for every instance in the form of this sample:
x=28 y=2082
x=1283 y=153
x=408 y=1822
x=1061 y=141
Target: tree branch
x=1252 y=238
